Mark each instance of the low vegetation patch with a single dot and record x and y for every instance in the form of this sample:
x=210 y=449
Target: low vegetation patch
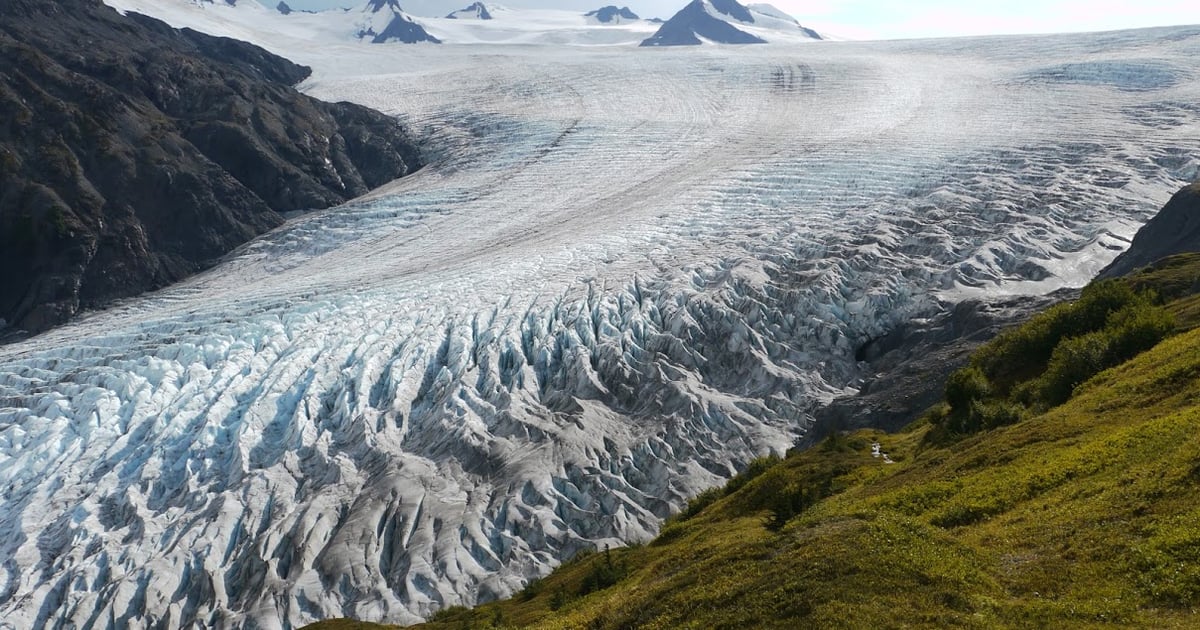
x=1038 y=366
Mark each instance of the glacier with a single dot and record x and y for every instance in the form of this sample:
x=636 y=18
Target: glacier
x=625 y=274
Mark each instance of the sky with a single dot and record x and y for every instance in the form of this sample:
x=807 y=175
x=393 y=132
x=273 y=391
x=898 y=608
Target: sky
x=888 y=19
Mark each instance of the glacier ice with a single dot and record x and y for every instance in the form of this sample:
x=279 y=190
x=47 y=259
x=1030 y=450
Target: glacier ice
x=625 y=274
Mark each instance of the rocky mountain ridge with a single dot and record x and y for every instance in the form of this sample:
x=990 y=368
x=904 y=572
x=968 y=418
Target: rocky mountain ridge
x=475 y=11
x=611 y=14
x=728 y=22
x=1174 y=230
x=133 y=155
x=695 y=23
x=383 y=21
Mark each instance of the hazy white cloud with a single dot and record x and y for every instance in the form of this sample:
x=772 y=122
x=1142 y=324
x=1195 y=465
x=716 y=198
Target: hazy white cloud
x=880 y=19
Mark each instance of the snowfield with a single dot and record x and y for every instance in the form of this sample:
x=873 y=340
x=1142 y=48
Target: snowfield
x=625 y=274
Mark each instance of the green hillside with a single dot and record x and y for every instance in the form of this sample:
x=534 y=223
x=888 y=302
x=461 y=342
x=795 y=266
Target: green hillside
x=1080 y=514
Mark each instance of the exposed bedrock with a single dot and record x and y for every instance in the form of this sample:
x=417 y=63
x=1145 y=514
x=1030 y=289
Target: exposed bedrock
x=906 y=369
x=1174 y=230
x=133 y=154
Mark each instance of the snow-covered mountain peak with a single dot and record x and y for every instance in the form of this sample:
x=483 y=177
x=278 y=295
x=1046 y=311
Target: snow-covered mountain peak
x=730 y=8
x=504 y=25
x=384 y=21
x=768 y=16
x=611 y=14
x=706 y=21
x=729 y=22
x=477 y=11
x=770 y=10
x=282 y=28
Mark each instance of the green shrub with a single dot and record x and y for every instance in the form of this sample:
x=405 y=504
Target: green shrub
x=1129 y=331
x=754 y=470
x=1136 y=329
x=792 y=499
x=57 y=218
x=696 y=504
x=1100 y=299
x=558 y=599
x=1073 y=362
x=836 y=442
x=670 y=532
x=1023 y=353
x=1038 y=365
x=995 y=413
x=963 y=388
x=603 y=574
x=959 y=515
x=532 y=589
x=452 y=613
x=786 y=504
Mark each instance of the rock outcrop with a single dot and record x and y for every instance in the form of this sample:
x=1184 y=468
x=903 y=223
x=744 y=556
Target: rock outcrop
x=477 y=11
x=612 y=14
x=909 y=367
x=133 y=154
x=1174 y=230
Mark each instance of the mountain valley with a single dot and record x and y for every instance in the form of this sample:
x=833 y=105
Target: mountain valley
x=623 y=275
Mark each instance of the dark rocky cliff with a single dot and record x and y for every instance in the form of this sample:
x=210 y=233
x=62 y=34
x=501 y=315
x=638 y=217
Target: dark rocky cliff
x=133 y=154
x=1174 y=230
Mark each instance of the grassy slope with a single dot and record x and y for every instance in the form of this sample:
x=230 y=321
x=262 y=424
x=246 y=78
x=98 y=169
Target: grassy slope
x=1176 y=278
x=1086 y=515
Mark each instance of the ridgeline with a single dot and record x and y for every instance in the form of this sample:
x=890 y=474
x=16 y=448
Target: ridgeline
x=133 y=154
